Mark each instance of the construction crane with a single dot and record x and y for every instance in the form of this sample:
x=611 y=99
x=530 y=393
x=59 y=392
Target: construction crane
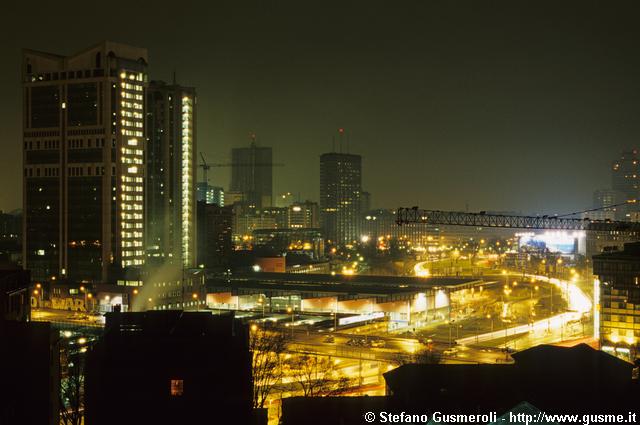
x=482 y=219
x=207 y=166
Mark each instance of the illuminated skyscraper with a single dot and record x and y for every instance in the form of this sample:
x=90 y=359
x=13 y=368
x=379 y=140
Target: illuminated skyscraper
x=83 y=144
x=617 y=299
x=171 y=173
x=340 y=189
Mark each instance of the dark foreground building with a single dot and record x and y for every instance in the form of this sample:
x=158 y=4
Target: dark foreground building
x=555 y=380
x=14 y=294
x=30 y=370
x=169 y=367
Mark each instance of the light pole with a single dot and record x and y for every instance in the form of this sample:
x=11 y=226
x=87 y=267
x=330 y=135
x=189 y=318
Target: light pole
x=262 y=303
x=290 y=310
x=506 y=277
x=38 y=293
x=335 y=317
x=84 y=293
x=559 y=267
x=506 y=337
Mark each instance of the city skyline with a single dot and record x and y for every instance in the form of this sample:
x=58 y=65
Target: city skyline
x=441 y=90
x=289 y=213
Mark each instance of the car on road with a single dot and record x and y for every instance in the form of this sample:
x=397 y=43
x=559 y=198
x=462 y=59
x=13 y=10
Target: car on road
x=450 y=352
x=377 y=343
x=358 y=342
x=329 y=339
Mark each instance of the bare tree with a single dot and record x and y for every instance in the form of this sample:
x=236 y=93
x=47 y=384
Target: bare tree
x=267 y=347
x=317 y=376
x=421 y=356
x=72 y=390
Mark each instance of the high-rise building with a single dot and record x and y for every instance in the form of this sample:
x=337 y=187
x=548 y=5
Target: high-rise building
x=303 y=215
x=171 y=173
x=603 y=199
x=340 y=190
x=252 y=174
x=625 y=179
x=365 y=202
x=210 y=194
x=83 y=158
x=215 y=226
x=280 y=215
x=381 y=223
x=617 y=299
x=245 y=223
x=306 y=241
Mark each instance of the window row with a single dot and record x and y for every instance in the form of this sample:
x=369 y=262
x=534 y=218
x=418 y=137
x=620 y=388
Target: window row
x=64 y=75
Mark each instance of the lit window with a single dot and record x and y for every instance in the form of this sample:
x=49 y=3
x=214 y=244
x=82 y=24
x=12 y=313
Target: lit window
x=177 y=387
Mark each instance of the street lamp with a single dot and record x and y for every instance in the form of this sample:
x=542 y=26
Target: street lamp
x=491 y=318
x=291 y=311
x=450 y=323
x=38 y=293
x=261 y=302
x=559 y=267
x=84 y=295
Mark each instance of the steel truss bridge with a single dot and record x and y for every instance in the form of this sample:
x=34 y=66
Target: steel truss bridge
x=481 y=219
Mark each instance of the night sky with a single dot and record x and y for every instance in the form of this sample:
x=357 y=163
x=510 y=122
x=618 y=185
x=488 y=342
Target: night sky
x=514 y=105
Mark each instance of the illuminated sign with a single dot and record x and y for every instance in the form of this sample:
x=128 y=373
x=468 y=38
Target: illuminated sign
x=556 y=241
x=56 y=303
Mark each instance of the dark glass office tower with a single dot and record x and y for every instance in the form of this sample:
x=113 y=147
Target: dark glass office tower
x=625 y=175
x=625 y=179
x=83 y=144
x=252 y=175
x=171 y=174
x=340 y=190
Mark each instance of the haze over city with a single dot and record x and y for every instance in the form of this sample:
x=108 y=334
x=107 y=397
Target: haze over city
x=502 y=106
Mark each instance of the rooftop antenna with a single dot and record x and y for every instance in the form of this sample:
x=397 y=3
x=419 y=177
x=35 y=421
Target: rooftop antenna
x=174 y=78
x=341 y=132
x=333 y=143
